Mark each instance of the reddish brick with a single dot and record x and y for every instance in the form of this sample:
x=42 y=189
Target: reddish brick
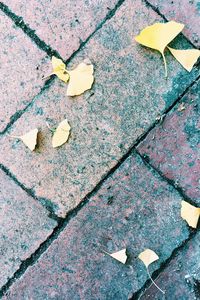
x=181 y=278
x=173 y=147
x=21 y=64
x=185 y=11
x=106 y=121
x=24 y=225
x=63 y=24
x=134 y=209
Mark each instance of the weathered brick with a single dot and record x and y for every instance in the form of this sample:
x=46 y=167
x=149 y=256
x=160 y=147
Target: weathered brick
x=173 y=147
x=24 y=225
x=63 y=24
x=185 y=11
x=21 y=70
x=181 y=278
x=129 y=92
x=134 y=209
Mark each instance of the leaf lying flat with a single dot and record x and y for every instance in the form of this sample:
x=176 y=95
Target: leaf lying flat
x=159 y=35
x=119 y=255
x=190 y=213
x=148 y=256
x=29 y=138
x=61 y=134
x=81 y=79
x=59 y=69
x=187 y=58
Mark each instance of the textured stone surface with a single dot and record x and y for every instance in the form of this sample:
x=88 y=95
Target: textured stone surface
x=129 y=92
x=174 y=146
x=181 y=279
x=62 y=24
x=185 y=11
x=134 y=209
x=21 y=70
x=24 y=225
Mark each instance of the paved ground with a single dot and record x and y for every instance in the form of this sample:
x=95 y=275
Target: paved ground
x=119 y=181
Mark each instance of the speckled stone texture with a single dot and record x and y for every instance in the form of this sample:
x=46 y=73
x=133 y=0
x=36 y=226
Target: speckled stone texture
x=181 y=278
x=185 y=11
x=24 y=225
x=21 y=67
x=62 y=24
x=134 y=209
x=129 y=92
x=174 y=146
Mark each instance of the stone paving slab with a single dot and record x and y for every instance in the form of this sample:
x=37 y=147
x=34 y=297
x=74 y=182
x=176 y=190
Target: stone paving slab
x=130 y=91
x=185 y=11
x=174 y=146
x=134 y=209
x=181 y=279
x=24 y=225
x=21 y=67
x=62 y=24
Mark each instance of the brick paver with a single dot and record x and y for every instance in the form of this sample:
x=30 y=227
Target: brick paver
x=181 y=279
x=24 y=225
x=174 y=146
x=63 y=24
x=185 y=11
x=130 y=91
x=135 y=208
x=21 y=70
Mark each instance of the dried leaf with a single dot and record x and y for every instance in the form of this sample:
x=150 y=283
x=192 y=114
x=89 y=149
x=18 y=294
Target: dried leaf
x=29 y=138
x=159 y=35
x=59 y=69
x=190 y=213
x=119 y=255
x=81 y=79
x=61 y=134
x=181 y=107
x=148 y=256
x=187 y=58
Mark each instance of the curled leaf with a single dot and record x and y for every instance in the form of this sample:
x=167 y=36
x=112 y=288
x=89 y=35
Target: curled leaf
x=29 y=138
x=148 y=256
x=59 y=69
x=81 y=79
x=159 y=35
x=187 y=58
x=190 y=213
x=119 y=255
x=61 y=134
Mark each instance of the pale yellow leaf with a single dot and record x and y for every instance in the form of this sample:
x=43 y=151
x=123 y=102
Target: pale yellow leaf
x=81 y=79
x=120 y=256
x=61 y=134
x=159 y=35
x=190 y=213
x=148 y=256
x=30 y=139
x=59 y=69
x=187 y=58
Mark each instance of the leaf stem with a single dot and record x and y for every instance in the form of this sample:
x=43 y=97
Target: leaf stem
x=154 y=282
x=165 y=64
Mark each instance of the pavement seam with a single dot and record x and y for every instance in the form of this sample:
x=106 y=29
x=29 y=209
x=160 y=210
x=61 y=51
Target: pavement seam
x=148 y=4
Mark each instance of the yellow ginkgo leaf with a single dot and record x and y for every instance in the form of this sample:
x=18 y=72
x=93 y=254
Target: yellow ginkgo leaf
x=159 y=35
x=187 y=58
x=119 y=255
x=190 y=213
x=81 y=79
x=29 y=138
x=148 y=256
x=59 y=69
x=61 y=134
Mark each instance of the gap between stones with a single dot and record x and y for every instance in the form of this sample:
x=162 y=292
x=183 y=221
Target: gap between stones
x=62 y=223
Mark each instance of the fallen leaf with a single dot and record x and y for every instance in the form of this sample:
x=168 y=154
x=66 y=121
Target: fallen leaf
x=119 y=255
x=190 y=213
x=181 y=107
x=81 y=79
x=29 y=138
x=187 y=58
x=159 y=35
x=148 y=256
x=59 y=69
x=61 y=134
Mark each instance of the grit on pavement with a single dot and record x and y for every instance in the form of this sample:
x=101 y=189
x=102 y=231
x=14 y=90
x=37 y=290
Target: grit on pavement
x=133 y=154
